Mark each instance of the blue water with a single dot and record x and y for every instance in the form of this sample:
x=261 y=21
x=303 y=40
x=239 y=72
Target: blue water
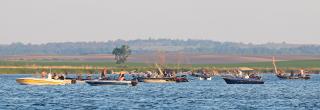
x=200 y=95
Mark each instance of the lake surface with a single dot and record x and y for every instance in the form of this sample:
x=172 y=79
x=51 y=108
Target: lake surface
x=200 y=95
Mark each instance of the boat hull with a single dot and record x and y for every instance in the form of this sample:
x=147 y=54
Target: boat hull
x=107 y=82
x=242 y=81
x=39 y=81
x=293 y=77
x=182 y=80
x=159 y=80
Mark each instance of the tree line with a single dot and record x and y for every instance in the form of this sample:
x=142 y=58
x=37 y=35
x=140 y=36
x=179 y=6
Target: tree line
x=151 y=45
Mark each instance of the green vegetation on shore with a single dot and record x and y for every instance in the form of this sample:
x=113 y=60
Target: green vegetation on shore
x=313 y=65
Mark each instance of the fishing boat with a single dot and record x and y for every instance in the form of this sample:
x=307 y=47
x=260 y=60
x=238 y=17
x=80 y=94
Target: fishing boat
x=110 y=82
x=286 y=76
x=205 y=74
x=120 y=81
x=248 y=78
x=41 y=81
x=205 y=77
x=182 y=78
x=159 y=80
x=200 y=76
x=292 y=75
x=240 y=80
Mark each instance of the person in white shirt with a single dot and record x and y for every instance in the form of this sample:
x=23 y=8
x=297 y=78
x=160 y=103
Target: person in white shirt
x=49 y=76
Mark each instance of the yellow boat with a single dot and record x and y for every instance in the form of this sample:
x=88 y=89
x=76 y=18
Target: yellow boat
x=40 y=81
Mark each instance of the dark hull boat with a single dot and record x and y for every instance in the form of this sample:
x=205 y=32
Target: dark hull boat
x=282 y=75
x=182 y=79
x=235 y=80
x=306 y=77
x=110 y=82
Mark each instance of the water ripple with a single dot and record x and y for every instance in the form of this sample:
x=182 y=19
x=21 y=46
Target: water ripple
x=215 y=94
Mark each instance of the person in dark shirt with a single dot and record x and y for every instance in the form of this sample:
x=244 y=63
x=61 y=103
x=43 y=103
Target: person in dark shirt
x=121 y=76
x=104 y=74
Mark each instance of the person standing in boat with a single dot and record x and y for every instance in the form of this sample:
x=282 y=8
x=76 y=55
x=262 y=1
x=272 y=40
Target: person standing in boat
x=55 y=76
x=65 y=75
x=61 y=76
x=240 y=74
x=89 y=77
x=43 y=74
x=292 y=73
x=301 y=72
x=104 y=74
x=49 y=76
x=246 y=76
x=79 y=76
x=174 y=74
x=121 y=76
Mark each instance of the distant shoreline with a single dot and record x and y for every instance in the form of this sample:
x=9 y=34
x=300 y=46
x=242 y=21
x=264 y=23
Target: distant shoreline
x=18 y=67
x=171 y=58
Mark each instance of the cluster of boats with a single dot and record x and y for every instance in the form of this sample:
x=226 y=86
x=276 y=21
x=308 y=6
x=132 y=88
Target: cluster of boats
x=97 y=82
x=242 y=75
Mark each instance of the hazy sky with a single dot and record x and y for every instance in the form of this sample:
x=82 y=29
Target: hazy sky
x=257 y=21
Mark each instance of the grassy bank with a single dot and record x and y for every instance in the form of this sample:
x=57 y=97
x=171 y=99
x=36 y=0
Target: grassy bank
x=11 y=67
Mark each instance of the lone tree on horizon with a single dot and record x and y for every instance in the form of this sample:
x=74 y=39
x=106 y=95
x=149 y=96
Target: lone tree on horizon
x=121 y=54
